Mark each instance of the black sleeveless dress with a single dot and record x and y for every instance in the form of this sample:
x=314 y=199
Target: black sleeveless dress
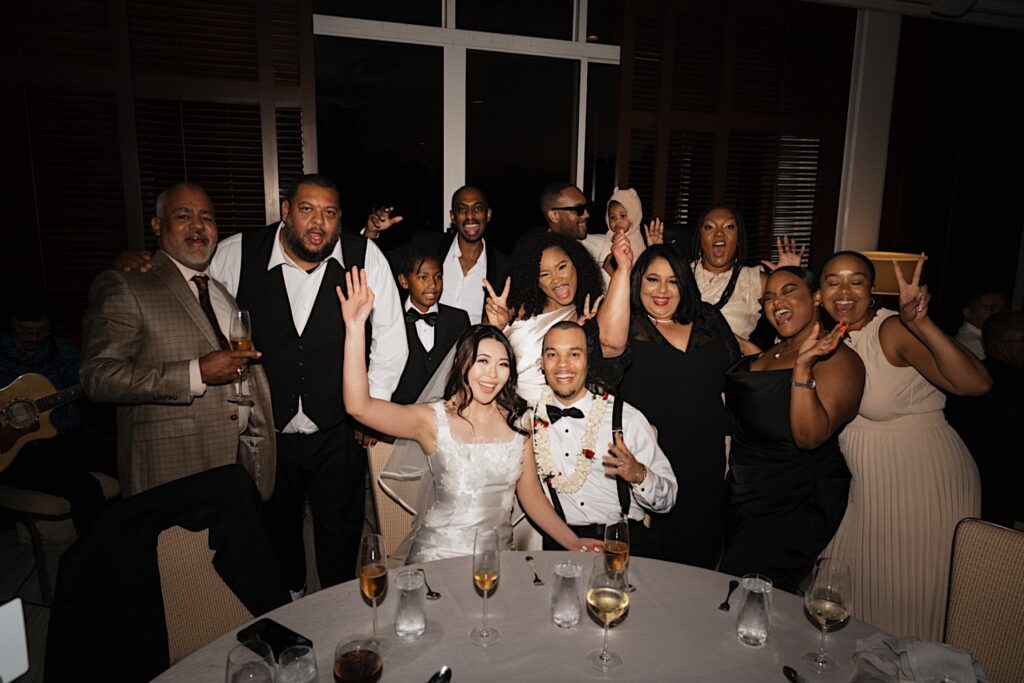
x=784 y=503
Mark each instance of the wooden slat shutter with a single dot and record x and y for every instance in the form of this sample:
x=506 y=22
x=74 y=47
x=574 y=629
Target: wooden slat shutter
x=289 y=147
x=754 y=114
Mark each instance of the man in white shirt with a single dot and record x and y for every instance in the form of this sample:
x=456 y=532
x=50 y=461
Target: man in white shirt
x=978 y=309
x=573 y=428
x=286 y=276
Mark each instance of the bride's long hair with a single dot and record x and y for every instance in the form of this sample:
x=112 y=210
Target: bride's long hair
x=458 y=381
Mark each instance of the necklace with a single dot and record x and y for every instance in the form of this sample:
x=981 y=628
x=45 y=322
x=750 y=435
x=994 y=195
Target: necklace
x=542 y=445
x=780 y=354
x=658 y=321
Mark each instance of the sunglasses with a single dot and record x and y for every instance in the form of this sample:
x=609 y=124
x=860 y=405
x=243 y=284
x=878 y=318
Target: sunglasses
x=579 y=209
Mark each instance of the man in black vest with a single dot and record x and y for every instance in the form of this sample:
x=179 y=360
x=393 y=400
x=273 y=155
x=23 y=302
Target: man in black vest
x=286 y=277
x=464 y=254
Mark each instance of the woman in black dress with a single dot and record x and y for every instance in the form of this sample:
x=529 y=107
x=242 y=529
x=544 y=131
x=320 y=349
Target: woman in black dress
x=788 y=482
x=677 y=352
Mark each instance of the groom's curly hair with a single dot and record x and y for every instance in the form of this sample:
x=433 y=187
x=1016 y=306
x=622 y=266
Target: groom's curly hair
x=457 y=388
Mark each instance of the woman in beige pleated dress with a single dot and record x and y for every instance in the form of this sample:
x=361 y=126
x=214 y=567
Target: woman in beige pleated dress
x=913 y=478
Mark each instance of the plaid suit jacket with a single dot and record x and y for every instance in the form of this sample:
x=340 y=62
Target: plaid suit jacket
x=140 y=332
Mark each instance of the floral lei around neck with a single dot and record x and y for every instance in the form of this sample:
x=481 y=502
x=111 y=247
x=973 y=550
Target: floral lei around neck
x=542 y=444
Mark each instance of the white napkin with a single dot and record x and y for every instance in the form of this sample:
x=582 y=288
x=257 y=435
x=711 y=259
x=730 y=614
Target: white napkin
x=918 y=660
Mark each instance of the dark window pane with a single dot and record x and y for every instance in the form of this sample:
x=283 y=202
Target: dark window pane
x=422 y=12
x=520 y=133
x=604 y=21
x=602 y=137
x=379 y=131
x=539 y=18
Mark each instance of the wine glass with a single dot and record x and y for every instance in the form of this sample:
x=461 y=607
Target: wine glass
x=240 y=339
x=616 y=545
x=373 y=580
x=827 y=601
x=607 y=599
x=485 y=575
x=250 y=662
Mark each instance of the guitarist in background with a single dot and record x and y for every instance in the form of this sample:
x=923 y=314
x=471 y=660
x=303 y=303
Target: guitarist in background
x=61 y=465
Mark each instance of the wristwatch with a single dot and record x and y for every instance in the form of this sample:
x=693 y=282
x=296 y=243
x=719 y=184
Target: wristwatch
x=809 y=384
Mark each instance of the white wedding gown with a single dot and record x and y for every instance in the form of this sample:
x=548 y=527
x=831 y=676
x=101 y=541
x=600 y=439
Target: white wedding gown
x=475 y=487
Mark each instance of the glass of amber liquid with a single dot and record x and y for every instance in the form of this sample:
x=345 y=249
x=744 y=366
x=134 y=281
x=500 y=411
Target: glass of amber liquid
x=240 y=339
x=373 y=581
x=357 y=662
x=485 y=575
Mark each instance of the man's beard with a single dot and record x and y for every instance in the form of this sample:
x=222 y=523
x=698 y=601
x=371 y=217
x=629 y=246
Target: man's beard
x=304 y=253
x=566 y=394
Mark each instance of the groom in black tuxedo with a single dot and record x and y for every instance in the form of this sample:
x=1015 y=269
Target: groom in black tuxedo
x=432 y=328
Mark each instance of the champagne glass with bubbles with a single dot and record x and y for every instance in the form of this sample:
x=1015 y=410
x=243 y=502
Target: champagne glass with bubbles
x=240 y=339
x=607 y=599
x=373 y=580
x=827 y=602
x=485 y=575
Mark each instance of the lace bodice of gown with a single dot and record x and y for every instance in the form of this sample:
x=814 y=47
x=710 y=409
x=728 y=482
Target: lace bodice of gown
x=475 y=484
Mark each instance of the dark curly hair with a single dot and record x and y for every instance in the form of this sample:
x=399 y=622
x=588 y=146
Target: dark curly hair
x=740 y=256
x=525 y=298
x=457 y=387
x=809 y=279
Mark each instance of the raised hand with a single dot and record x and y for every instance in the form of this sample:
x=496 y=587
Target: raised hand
x=380 y=220
x=356 y=307
x=914 y=297
x=128 y=261
x=589 y=312
x=815 y=347
x=655 y=232
x=622 y=252
x=788 y=255
x=620 y=461
x=496 y=306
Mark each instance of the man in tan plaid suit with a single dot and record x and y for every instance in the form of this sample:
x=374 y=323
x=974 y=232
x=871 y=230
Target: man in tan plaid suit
x=155 y=343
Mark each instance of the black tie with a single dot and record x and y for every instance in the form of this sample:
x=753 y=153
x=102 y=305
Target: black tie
x=204 y=302
x=555 y=413
x=412 y=315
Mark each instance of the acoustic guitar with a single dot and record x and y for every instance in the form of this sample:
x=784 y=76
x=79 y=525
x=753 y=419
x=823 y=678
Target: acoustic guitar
x=25 y=406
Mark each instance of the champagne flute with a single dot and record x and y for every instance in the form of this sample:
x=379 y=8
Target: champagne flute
x=616 y=545
x=373 y=580
x=828 y=603
x=485 y=575
x=607 y=599
x=240 y=339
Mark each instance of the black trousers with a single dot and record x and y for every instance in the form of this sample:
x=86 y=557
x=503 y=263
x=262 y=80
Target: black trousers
x=329 y=468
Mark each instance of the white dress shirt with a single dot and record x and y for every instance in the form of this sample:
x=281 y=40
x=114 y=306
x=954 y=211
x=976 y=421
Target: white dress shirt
x=970 y=336
x=599 y=497
x=388 y=346
x=222 y=309
x=466 y=290
x=424 y=331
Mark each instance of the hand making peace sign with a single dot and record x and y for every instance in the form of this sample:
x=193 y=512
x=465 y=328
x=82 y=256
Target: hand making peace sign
x=496 y=306
x=914 y=298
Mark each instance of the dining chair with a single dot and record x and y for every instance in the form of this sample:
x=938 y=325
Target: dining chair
x=198 y=606
x=986 y=598
x=394 y=500
x=30 y=507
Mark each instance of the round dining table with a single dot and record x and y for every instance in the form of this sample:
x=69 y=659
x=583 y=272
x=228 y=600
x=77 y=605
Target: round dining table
x=674 y=630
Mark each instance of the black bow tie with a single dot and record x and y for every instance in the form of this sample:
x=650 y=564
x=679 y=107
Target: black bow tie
x=555 y=413
x=412 y=315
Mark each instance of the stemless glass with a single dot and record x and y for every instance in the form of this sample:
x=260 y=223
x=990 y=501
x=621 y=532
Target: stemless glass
x=250 y=662
x=373 y=580
x=240 y=339
x=297 y=664
x=486 y=570
x=827 y=602
x=607 y=599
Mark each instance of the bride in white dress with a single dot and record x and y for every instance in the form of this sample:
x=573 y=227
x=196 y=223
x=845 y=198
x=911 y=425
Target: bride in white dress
x=478 y=450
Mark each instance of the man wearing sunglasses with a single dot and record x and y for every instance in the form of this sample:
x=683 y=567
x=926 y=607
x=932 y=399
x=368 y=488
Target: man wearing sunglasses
x=565 y=209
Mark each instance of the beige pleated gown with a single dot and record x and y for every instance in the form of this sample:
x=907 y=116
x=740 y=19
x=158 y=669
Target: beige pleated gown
x=913 y=480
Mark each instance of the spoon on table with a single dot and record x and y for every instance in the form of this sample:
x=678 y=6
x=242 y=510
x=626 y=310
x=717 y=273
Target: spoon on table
x=533 y=567
x=431 y=594
x=792 y=675
x=443 y=675
x=725 y=603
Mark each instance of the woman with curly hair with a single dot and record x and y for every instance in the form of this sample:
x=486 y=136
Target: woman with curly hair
x=554 y=279
x=474 y=437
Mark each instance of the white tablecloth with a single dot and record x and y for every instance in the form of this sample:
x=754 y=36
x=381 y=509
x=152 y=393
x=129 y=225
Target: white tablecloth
x=674 y=632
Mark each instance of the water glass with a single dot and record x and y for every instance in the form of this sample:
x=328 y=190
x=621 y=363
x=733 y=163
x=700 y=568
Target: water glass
x=566 y=605
x=411 y=615
x=250 y=662
x=754 y=620
x=297 y=664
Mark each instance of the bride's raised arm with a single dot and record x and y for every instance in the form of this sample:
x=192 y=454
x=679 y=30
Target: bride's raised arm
x=414 y=422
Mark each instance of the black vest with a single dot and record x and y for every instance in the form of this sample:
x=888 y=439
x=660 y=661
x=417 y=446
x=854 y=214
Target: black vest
x=422 y=364
x=307 y=365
